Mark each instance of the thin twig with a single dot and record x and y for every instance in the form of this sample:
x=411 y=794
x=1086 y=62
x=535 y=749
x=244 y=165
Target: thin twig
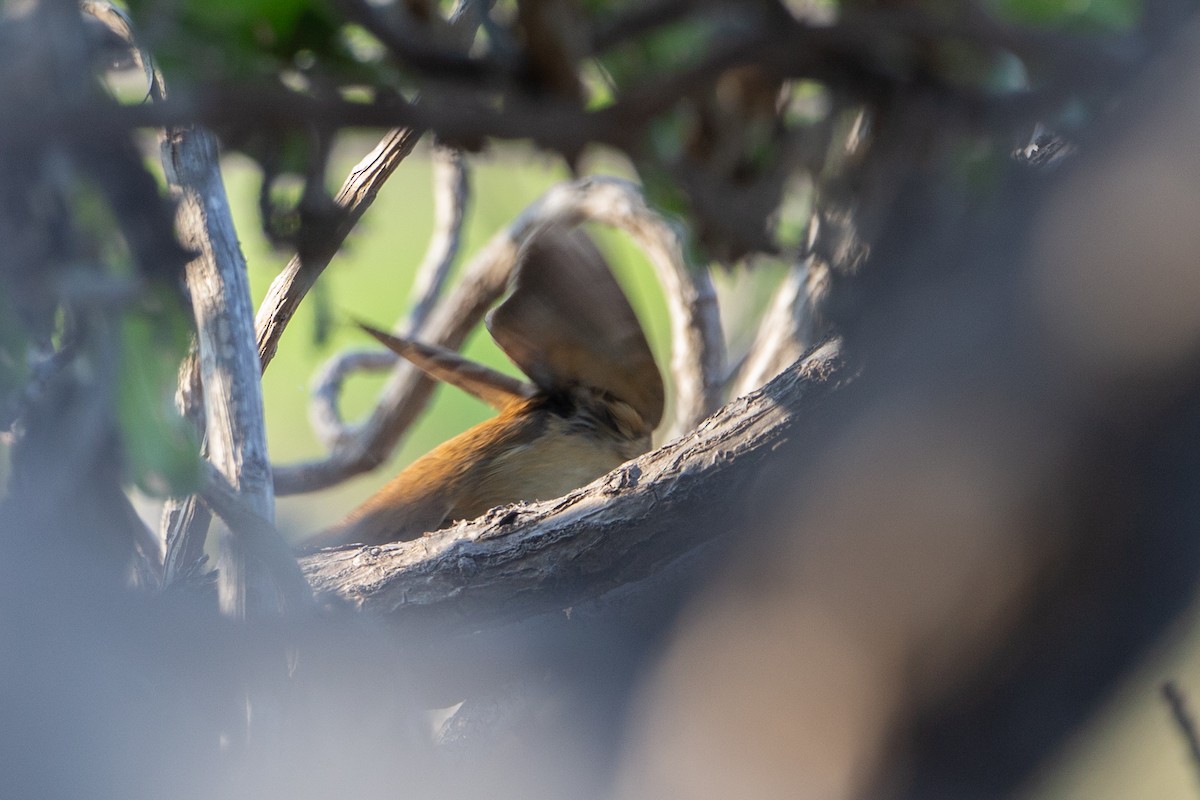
x=1177 y=703
x=844 y=56
x=324 y=413
x=354 y=198
x=697 y=343
x=451 y=189
x=413 y=48
x=789 y=327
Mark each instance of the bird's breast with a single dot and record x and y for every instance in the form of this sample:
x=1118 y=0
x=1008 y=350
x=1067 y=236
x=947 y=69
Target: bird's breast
x=536 y=449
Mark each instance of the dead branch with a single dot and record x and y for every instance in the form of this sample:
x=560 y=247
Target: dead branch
x=522 y=560
x=228 y=365
x=260 y=539
x=697 y=343
x=450 y=193
x=789 y=327
x=354 y=198
x=357 y=194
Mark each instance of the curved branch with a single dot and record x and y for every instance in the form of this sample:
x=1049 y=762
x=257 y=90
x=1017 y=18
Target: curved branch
x=451 y=187
x=451 y=191
x=324 y=414
x=527 y=559
x=697 y=343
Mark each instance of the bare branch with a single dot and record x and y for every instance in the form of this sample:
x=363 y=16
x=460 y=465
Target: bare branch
x=354 y=198
x=450 y=192
x=1177 y=702
x=697 y=344
x=789 y=327
x=411 y=43
x=844 y=56
x=527 y=559
x=228 y=364
x=259 y=538
x=324 y=414
x=356 y=195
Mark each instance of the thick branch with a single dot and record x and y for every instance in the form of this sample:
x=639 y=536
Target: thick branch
x=228 y=365
x=527 y=559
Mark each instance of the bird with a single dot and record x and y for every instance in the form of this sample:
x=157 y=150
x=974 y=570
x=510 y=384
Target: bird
x=594 y=398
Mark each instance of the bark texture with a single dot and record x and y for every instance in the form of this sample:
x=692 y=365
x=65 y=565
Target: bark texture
x=522 y=560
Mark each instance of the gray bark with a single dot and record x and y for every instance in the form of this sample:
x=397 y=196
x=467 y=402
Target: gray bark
x=228 y=361
x=523 y=560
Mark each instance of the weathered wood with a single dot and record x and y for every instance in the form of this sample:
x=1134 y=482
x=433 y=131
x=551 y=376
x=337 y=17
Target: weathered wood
x=451 y=190
x=357 y=194
x=228 y=362
x=523 y=560
x=789 y=327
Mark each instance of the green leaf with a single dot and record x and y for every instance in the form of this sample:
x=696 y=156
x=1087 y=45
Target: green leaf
x=1110 y=16
x=662 y=191
x=14 y=368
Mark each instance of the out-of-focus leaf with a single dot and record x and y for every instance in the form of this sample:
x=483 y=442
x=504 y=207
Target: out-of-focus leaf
x=980 y=166
x=662 y=51
x=794 y=213
x=161 y=452
x=966 y=64
x=598 y=86
x=362 y=44
x=668 y=134
x=14 y=369
x=211 y=40
x=663 y=191
x=1114 y=16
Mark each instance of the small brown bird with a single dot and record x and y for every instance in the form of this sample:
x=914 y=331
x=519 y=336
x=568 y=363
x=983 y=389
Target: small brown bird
x=597 y=396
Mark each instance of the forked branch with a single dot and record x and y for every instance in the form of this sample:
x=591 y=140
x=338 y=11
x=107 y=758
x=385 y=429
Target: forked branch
x=354 y=198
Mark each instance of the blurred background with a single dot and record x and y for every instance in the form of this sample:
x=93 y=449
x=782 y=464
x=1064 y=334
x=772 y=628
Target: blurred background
x=967 y=571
